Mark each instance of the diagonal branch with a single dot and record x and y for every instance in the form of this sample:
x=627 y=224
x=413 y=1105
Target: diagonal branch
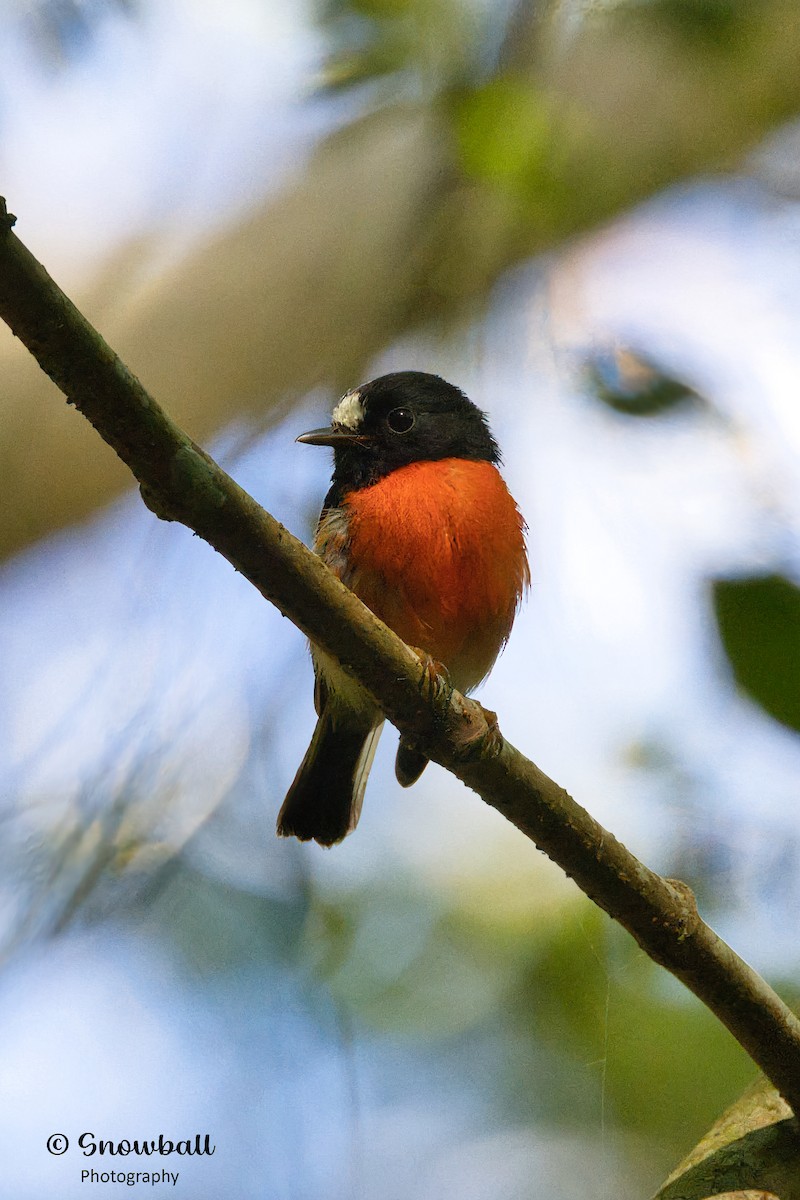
x=180 y=482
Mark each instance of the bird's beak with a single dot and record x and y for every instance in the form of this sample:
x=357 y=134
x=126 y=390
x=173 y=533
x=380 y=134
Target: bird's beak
x=331 y=436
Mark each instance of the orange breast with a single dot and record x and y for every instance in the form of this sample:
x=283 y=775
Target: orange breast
x=436 y=550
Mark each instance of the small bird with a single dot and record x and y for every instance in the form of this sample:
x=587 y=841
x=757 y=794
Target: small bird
x=418 y=523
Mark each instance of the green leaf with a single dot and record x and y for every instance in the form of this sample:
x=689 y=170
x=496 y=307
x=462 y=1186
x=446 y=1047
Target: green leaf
x=759 y=623
x=716 y=24
x=504 y=132
x=632 y=385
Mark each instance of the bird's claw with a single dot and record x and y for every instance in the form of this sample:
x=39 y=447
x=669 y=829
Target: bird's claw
x=435 y=679
x=492 y=741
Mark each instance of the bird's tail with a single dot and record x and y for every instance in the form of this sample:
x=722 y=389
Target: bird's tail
x=409 y=764
x=324 y=802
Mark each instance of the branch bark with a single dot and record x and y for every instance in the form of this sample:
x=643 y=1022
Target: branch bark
x=180 y=482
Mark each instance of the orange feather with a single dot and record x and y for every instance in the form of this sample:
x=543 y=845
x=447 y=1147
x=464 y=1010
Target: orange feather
x=437 y=551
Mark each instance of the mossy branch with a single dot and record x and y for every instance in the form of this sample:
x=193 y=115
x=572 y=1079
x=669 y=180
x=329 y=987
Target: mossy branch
x=180 y=482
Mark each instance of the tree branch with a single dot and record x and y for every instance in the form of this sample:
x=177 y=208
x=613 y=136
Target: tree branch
x=180 y=482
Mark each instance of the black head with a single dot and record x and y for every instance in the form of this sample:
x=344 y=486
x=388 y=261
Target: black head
x=402 y=418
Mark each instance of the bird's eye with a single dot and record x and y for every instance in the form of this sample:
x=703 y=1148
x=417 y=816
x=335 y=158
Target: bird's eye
x=400 y=420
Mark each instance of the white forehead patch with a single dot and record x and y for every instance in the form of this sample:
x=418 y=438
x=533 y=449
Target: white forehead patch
x=349 y=411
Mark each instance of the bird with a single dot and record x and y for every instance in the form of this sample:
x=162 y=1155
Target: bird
x=420 y=525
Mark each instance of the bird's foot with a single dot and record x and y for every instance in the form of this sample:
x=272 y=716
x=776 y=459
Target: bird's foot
x=435 y=679
x=492 y=740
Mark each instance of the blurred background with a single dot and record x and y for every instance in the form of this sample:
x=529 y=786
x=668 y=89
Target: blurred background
x=584 y=214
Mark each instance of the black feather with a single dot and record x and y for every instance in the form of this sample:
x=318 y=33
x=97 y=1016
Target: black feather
x=409 y=764
x=446 y=424
x=324 y=802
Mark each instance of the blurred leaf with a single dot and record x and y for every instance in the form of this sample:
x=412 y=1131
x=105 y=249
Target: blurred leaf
x=632 y=1042
x=631 y=385
x=218 y=928
x=759 y=623
x=510 y=137
x=752 y=1152
x=405 y=963
x=714 y=23
x=563 y=997
x=385 y=215
x=503 y=131
x=433 y=41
